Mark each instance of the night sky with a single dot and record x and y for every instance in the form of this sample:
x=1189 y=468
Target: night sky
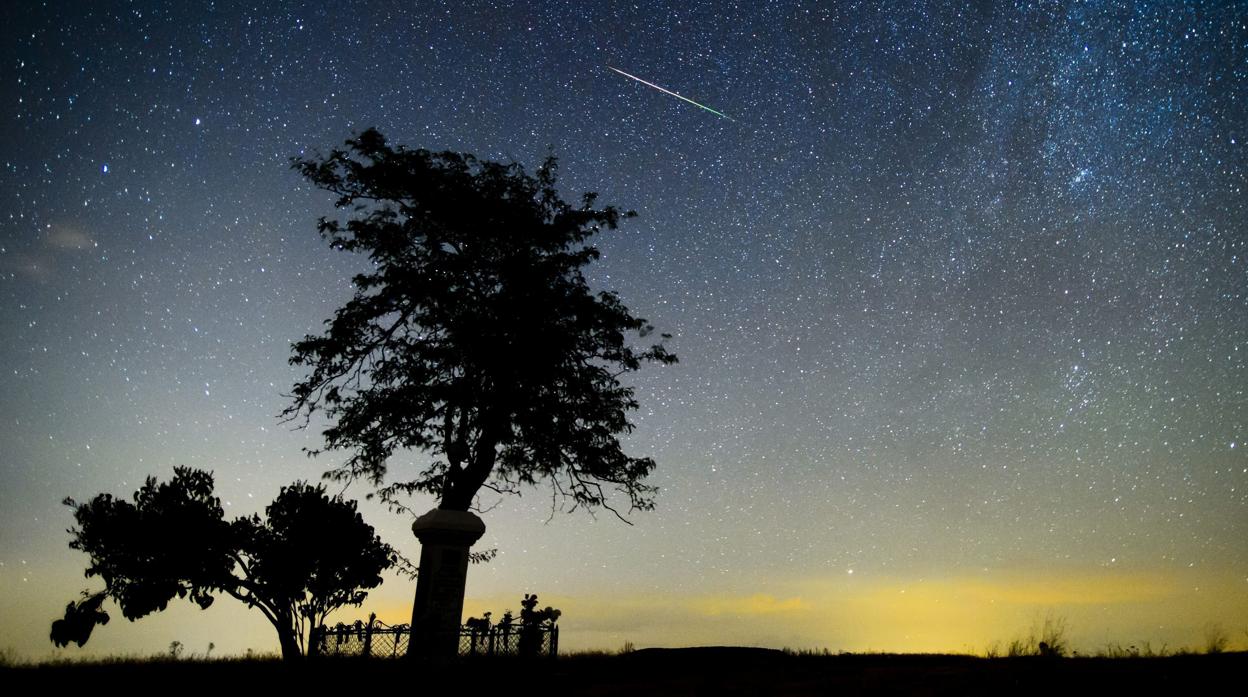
x=959 y=293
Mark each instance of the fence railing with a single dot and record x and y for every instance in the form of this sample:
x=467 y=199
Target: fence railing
x=373 y=639
x=376 y=639
x=510 y=640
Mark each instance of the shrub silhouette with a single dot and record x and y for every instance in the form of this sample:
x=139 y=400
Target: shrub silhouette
x=309 y=555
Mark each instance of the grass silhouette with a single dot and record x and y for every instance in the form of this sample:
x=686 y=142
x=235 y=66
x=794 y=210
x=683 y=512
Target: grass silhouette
x=1021 y=667
x=692 y=671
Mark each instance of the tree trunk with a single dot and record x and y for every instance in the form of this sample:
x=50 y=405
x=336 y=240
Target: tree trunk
x=465 y=483
x=314 y=638
x=290 y=644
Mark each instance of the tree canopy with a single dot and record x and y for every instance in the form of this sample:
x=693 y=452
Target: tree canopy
x=474 y=337
x=309 y=555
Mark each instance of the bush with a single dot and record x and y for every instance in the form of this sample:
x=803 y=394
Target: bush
x=1216 y=638
x=1046 y=637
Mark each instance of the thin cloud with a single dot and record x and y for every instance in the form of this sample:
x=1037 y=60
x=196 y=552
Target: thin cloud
x=68 y=238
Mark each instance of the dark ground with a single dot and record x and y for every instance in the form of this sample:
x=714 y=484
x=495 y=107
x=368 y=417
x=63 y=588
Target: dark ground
x=653 y=672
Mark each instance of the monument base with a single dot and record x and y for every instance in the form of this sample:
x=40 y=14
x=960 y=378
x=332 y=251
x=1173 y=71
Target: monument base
x=445 y=537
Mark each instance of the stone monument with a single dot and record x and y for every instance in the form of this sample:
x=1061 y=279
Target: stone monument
x=445 y=537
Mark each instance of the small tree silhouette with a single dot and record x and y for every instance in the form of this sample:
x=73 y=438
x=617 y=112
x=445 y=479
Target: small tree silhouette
x=308 y=556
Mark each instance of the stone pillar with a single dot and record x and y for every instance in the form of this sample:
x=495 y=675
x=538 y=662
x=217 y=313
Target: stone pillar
x=445 y=537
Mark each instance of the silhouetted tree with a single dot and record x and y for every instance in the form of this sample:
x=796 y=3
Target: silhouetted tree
x=311 y=555
x=474 y=335
x=308 y=556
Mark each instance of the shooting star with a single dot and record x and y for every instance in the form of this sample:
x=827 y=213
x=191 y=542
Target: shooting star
x=666 y=91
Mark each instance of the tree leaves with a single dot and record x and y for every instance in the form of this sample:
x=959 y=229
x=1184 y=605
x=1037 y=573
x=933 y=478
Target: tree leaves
x=308 y=556
x=172 y=541
x=475 y=337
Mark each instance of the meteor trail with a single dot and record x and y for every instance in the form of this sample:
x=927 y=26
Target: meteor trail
x=666 y=91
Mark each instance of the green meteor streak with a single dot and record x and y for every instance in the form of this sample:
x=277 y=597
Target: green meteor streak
x=666 y=91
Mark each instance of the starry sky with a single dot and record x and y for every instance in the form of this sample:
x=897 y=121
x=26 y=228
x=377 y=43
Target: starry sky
x=959 y=293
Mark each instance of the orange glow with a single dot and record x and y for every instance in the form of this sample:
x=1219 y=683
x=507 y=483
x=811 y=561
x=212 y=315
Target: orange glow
x=968 y=613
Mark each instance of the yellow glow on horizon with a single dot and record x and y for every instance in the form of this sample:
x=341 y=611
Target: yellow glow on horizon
x=967 y=612
x=964 y=613
x=757 y=604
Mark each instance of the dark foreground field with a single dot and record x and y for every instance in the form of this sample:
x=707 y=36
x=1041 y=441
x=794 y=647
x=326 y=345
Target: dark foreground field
x=653 y=672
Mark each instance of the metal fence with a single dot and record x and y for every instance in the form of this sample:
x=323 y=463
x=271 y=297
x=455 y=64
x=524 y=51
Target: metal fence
x=376 y=639
x=510 y=640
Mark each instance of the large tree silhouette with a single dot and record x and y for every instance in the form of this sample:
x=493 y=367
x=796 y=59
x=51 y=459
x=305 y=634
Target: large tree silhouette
x=474 y=336
x=309 y=555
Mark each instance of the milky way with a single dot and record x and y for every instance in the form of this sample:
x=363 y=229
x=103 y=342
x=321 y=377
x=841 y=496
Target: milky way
x=959 y=297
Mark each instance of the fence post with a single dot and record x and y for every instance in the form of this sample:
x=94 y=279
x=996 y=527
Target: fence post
x=368 y=636
x=554 y=640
